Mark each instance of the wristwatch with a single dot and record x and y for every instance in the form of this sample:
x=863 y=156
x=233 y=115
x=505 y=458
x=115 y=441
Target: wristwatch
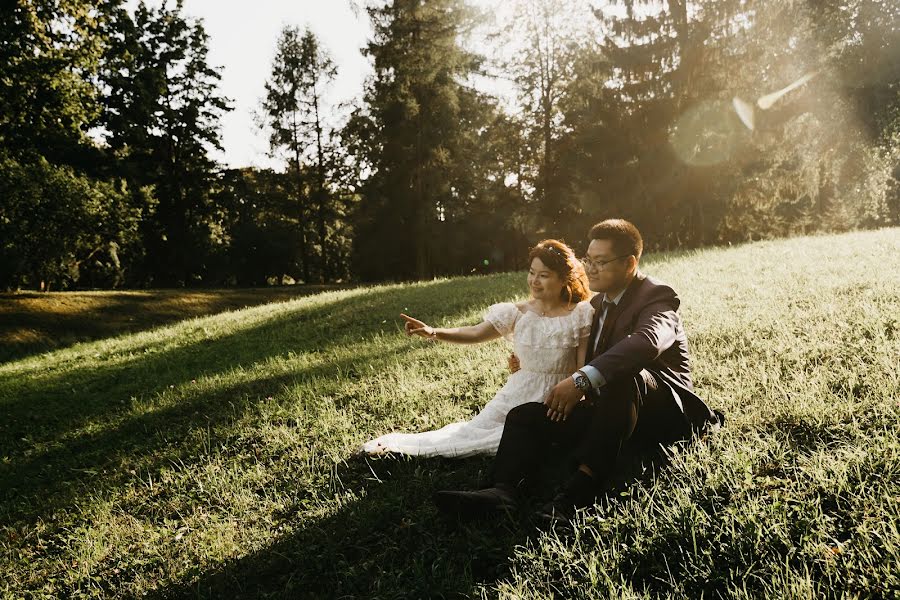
x=581 y=381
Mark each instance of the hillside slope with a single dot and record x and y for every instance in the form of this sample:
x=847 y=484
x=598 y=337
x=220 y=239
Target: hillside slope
x=213 y=457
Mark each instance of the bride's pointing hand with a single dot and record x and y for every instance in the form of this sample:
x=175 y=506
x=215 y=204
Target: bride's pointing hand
x=417 y=327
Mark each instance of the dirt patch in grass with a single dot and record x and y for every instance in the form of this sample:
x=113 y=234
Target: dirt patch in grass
x=32 y=323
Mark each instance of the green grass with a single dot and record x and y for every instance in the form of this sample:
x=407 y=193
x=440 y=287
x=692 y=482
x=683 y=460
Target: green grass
x=35 y=322
x=212 y=457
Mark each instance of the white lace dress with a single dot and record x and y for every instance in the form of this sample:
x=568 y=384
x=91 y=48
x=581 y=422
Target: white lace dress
x=547 y=348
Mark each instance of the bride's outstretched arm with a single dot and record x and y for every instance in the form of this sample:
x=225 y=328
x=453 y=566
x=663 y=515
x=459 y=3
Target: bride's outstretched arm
x=472 y=334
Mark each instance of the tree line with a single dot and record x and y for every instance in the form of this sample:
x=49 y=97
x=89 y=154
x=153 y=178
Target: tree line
x=660 y=112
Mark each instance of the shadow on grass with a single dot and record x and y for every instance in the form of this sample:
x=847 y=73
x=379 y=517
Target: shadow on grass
x=389 y=543
x=65 y=432
x=71 y=432
x=392 y=542
x=65 y=470
x=32 y=323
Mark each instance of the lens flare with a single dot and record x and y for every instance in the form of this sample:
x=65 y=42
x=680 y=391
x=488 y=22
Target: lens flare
x=744 y=112
x=747 y=113
x=766 y=102
x=707 y=134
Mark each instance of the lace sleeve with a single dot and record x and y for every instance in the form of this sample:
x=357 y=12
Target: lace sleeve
x=503 y=317
x=584 y=315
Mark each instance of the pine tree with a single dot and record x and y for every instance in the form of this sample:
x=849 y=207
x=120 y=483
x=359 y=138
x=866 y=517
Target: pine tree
x=659 y=71
x=294 y=112
x=412 y=135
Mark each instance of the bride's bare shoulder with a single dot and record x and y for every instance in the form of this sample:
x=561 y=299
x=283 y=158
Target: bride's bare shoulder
x=523 y=306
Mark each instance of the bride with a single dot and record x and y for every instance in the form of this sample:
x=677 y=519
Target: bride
x=549 y=334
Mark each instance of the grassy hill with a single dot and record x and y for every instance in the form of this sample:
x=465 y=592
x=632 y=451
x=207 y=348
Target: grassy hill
x=213 y=457
x=35 y=322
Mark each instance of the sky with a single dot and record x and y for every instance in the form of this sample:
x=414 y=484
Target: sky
x=242 y=38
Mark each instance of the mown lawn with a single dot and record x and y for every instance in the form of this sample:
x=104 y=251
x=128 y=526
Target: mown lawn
x=213 y=457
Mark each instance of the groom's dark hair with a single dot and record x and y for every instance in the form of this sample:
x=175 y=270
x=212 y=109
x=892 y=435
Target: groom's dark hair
x=625 y=237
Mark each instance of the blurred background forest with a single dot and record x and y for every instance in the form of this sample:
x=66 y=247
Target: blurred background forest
x=642 y=109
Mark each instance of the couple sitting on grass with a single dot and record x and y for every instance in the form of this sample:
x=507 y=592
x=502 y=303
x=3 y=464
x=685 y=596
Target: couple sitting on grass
x=632 y=395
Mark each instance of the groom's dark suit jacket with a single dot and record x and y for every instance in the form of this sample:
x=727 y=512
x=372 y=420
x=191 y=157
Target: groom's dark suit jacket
x=644 y=331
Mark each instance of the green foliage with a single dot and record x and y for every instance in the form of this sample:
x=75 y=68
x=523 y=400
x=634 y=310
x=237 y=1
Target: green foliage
x=627 y=113
x=63 y=218
x=295 y=114
x=161 y=116
x=540 y=45
x=653 y=135
x=58 y=227
x=212 y=458
x=261 y=218
x=422 y=135
x=301 y=70
x=49 y=53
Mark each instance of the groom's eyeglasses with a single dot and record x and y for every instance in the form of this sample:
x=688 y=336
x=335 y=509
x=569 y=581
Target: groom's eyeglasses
x=600 y=265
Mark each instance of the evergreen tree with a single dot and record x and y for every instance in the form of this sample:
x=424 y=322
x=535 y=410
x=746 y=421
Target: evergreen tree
x=412 y=136
x=294 y=112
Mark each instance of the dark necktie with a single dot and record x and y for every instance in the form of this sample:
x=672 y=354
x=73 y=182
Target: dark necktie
x=608 y=307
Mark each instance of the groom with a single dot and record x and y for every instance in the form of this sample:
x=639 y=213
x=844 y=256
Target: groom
x=635 y=390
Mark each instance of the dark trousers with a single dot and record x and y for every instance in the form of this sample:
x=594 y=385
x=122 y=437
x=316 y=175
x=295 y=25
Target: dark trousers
x=640 y=412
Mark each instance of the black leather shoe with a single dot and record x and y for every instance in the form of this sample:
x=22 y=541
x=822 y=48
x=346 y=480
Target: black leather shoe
x=486 y=502
x=579 y=492
x=560 y=511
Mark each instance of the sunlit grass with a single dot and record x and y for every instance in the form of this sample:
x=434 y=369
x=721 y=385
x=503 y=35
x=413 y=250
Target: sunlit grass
x=31 y=323
x=212 y=457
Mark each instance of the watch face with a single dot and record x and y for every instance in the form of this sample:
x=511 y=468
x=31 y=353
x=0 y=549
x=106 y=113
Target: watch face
x=582 y=382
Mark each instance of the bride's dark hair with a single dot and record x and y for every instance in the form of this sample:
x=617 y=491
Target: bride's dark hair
x=560 y=259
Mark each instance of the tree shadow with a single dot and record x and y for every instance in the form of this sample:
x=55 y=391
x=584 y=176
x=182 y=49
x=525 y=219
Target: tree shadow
x=40 y=482
x=390 y=542
x=66 y=428
x=33 y=323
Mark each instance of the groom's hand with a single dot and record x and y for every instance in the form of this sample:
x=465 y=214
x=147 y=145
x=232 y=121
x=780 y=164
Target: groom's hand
x=513 y=363
x=562 y=400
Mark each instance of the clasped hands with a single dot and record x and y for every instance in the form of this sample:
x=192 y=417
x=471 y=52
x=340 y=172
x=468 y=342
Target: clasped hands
x=562 y=398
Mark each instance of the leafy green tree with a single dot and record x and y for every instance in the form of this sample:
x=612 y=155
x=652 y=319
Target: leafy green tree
x=542 y=41
x=49 y=53
x=59 y=227
x=161 y=117
x=260 y=219
x=65 y=217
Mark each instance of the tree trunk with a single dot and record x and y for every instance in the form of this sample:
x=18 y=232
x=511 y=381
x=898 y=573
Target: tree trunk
x=325 y=275
x=421 y=212
x=298 y=173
